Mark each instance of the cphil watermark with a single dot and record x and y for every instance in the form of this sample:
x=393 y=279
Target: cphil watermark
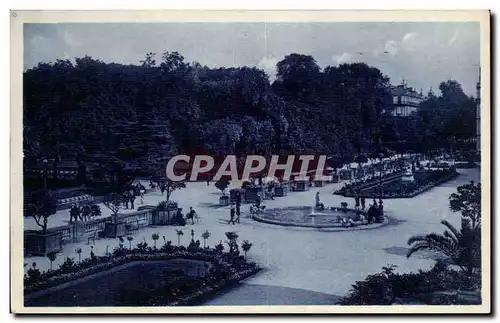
x=298 y=167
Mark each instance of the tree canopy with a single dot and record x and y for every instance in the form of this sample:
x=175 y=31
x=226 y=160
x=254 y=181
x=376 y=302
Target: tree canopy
x=134 y=117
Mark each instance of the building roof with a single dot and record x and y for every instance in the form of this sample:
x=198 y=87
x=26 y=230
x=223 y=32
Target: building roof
x=403 y=90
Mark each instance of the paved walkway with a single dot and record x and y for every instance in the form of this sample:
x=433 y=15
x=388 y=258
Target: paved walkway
x=307 y=260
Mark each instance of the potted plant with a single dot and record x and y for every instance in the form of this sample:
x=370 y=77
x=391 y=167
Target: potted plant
x=163 y=214
x=41 y=207
x=115 y=228
x=222 y=184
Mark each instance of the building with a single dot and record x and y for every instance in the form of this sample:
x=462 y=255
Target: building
x=405 y=100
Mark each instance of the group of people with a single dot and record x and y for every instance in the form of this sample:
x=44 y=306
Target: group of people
x=375 y=211
x=358 y=205
x=130 y=195
x=191 y=215
x=235 y=210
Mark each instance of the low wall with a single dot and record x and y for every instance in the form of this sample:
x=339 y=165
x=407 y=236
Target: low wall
x=78 y=231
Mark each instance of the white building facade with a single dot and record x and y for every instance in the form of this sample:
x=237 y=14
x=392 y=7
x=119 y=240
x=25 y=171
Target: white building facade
x=405 y=100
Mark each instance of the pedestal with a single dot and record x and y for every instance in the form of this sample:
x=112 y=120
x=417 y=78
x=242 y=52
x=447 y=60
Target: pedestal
x=252 y=194
x=301 y=186
x=281 y=190
x=318 y=183
x=39 y=244
x=224 y=200
x=346 y=175
x=113 y=230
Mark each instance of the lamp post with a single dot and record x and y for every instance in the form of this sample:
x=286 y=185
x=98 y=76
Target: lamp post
x=45 y=163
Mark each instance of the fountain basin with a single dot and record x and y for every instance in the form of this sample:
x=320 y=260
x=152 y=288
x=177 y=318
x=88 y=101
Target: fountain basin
x=303 y=216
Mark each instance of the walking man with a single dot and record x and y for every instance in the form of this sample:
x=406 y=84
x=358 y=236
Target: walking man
x=232 y=213
x=238 y=212
x=191 y=214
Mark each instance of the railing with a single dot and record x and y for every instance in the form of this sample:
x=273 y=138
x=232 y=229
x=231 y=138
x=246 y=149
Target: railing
x=71 y=233
x=94 y=226
x=141 y=218
x=68 y=232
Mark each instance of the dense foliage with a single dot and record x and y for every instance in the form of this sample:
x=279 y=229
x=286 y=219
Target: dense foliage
x=120 y=118
x=388 y=287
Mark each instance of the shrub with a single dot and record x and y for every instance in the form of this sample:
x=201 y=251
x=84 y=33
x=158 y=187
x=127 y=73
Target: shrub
x=68 y=265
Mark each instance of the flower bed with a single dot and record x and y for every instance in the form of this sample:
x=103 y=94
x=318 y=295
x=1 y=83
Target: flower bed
x=349 y=190
x=400 y=189
x=227 y=266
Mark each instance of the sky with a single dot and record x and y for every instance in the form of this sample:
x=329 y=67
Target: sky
x=422 y=53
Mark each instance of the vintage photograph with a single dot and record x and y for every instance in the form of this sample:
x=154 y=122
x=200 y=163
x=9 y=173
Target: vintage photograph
x=256 y=160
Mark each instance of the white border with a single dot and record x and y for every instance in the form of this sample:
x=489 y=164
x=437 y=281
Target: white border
x=272 y=16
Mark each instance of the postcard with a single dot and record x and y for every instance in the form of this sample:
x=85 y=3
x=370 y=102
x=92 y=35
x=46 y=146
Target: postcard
x=250 y=162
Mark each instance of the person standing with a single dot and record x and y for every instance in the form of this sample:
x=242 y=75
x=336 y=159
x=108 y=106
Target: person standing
x=191 y=214
x=238 y=198
x=238 y=212
x=356 y=202
x=363 y=203
x=231 y=214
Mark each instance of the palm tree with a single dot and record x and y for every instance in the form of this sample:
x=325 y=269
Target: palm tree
x=155 y=236
x=462 y=246
x=52 y=257
x=246 y=246
x=179 y=234
x=130 y=239
x=232 y=237
x=205 y=235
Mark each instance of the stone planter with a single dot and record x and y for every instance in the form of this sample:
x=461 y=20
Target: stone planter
x=302 y=186
x=281 y=190
x=335 y=178
x=224 y=200
x=318 y=183
x=39 y=244
x=253 y=193
x=346 y=175
x=114 y=230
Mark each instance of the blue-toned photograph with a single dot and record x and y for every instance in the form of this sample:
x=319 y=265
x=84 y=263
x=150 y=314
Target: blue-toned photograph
x=170 y=164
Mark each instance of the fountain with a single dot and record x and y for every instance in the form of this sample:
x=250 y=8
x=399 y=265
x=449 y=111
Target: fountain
x=316 y=216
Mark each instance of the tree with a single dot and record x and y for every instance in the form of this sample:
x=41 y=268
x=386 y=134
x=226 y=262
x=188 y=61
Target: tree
x=467 y=201
x=155 y=236
x=40 y=207
x=462 y=246
x=179 y=233
x=205 y=235
x=246 y=246
x=298 y=75
x=52 y=257
x=222 y=184
x=149 y=61
x=113 y=202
